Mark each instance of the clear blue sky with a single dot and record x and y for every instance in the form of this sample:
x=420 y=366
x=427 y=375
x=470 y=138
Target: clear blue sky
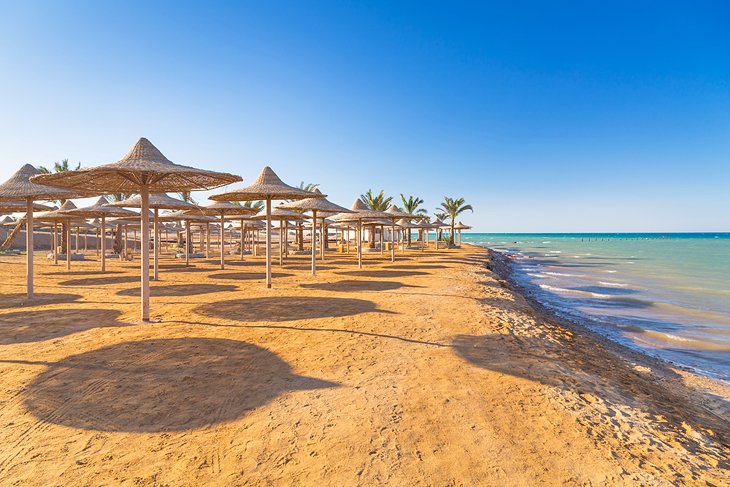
x=546 y=116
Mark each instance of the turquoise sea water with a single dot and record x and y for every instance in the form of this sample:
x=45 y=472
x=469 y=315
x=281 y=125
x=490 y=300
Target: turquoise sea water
x=665 y=294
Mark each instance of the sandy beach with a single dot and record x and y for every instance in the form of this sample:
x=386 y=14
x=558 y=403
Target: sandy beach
x=428 y=371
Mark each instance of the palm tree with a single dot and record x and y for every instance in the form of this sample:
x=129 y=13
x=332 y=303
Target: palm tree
x=187 y=196
x=61 y=166
x=377 y=202
x=411 y=205
x=452 y=208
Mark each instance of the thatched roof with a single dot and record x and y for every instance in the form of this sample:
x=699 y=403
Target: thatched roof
x=396 y=212
x=360 y=211
x=183 y=215
x=59 y=214
x=101 y=209
x=20 y=187
x=20 y=207
x=160 y=201
x=461 y=226
x=143 y=165
x=267 y=186
x=321 y=205
x=280 y=214
x=224 y=208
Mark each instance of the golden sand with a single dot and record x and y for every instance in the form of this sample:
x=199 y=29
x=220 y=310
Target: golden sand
x=427 y=371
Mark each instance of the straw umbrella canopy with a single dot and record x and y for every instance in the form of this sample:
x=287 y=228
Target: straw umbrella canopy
x=460 y=226
x=222 y=209
x=20 y=207
x=396 y=213
x=157 y=202
x=20 y=187
x=283 y=216
x=101 y=210
x=142 y=171
x=359 y=212
x=54 y=217
x=316 y=205
x=267 y=186
x=437 y=224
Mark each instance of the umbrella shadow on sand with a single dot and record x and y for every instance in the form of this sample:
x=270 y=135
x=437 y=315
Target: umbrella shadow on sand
x=382 y=273
x=179 y=290
x=349 y=286
x=99 y=281
x=287 y=308
x=162 y=385
x=46 y=324
x=20 y=300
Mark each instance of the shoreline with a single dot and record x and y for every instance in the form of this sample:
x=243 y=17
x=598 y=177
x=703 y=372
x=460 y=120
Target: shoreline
x=429 y=370
x=501 y=265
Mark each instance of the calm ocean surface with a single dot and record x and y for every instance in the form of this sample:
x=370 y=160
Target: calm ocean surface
x=665 y=294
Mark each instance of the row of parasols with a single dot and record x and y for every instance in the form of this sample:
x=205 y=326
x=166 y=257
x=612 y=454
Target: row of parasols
x=146 y=172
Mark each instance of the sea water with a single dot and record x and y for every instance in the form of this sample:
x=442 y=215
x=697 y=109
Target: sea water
x=664 y=294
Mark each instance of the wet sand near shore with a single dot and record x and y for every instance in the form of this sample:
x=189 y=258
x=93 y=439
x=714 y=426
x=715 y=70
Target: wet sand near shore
x=428 y=371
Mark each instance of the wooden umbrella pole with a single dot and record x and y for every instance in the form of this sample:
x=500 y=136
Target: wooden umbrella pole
x=145 y=264
x=359 y=244
x=381 y=240
x=126 y=241
x=207 y=240
x=286 y=239
x=281 y=243
x=86 y=240
x=187 y=243
x=77 y=240
x=55 y=242
x=68 y=245
x=156 y=251
x=97 y=242
x=222 y=242
x=29 y=246
x=103 y=243
x=268 y=243
x=322 y=239
x=314 y=243
x=242 y=238
x=392 y=242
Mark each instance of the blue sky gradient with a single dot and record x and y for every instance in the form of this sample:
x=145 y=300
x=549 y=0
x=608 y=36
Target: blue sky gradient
x=546 y=116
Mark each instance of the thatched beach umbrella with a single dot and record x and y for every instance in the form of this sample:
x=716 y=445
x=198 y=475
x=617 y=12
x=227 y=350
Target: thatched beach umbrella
x=21 y=207
x=157 y=202
x=396 y=214
x=438 y=225
x=267 y=186
x=222 y=209
x=20 y=187
x=283 y=216
x=101 y=210
x=359 y=212
x=142 y=171
x=55 y=217
x=460 y=226
x=316 y=205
